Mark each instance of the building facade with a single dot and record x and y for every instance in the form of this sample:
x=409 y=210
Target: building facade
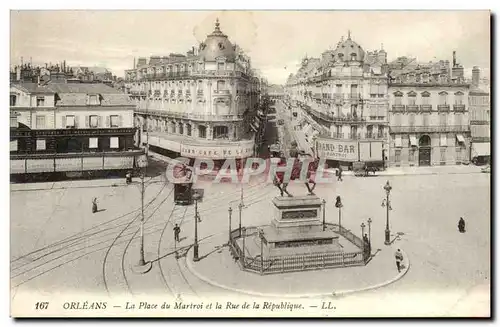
x=342 y=96
x=200 y=105
x=70 y=129
x=479 y=107
x=429 y=114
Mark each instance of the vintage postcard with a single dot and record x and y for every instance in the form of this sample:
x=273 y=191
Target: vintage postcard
x=250 y=164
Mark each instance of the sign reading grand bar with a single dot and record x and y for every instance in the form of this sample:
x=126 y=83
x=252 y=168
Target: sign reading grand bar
x=337 y=149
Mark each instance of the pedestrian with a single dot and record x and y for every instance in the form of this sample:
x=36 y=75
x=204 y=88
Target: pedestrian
x=399 y=259
x=461 y=225
x=339 y=178
x=177 y=231
x=94 y=205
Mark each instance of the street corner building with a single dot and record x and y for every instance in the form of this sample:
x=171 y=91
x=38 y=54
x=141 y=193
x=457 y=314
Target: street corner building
x=202 y=105
x=429 y=113
x=351 y=105
x=70 y=130
x=339 y=101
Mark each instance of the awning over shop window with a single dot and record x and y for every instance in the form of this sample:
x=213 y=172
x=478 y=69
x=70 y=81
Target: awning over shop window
x=253 y=127
x=306 y=129
x=460 y=138
x=413 y=140
x=398 y=142
x=480 y=149
x=442 y=141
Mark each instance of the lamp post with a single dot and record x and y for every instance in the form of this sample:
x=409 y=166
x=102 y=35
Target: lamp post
x=230 y=213
x=338 y=204
x=196 y=197
x=324 y=214
x=362 y=230
x=387 y=203
x=370 y=230
x=142 y=266
x=240 y=207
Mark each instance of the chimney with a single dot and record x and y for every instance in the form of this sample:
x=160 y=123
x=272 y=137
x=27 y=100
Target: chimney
x=134 y=64
x=38 y=80
x=454 y=58
x=476 y=74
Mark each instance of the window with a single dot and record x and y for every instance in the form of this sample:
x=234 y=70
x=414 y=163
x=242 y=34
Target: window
x=220 y=66
x=398 y=99
x=13 y=100
x=114 y=121
x=188 y=129
x=412 y=99
x=426 y=100
x=114 y=143
x=380 y=131
x=459 y=98
x=443 y=140
x=221 y=85
x=369 y=131
x=94 y=121
x=13 y=121
x=458 y=119
x=93 y=143
x=70 y=121
x=338 y=89
x=221 y=132
x=411 y=155
x=40 y=144
x=397 y=119
x=94 y=99
x=181 y=128
x=411 y=120
x=40 y=122
x=13 y=145
x=174 y=128
x=425 y=118
x=354 y=90
x=442 y=119
x=202 y=132
x=40 y=101
x=443 y=98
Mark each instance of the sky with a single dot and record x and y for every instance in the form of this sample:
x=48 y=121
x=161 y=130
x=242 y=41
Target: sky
x=275 y=40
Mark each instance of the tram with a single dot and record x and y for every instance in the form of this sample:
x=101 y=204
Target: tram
x=183 y=189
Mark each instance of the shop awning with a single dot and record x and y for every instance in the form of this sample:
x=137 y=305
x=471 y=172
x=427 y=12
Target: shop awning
x=253 y=127
x=460 y=138
x=442 y=139
x=306 y=129
x=480 y=149
x=413 y=140
x=398 y=142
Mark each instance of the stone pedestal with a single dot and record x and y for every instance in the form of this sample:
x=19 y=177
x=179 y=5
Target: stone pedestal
x=297 y=228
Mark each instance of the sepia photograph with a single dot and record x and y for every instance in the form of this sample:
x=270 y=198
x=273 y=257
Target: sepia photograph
x=250 y=163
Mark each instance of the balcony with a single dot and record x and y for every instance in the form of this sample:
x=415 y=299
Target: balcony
x=426 y=107
x=480 y=139
x=222 y=92
x=191 y=116
x=354 y=136
x=479 y=122
x=431 y=129
x=336 y=135
x=459 y=107
x=443 y=107
x=412 y=108
x=398 y=108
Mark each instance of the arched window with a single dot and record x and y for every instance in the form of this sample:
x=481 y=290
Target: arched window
x=181 y=128
x=221 y=85
x=202 y=131
x=443 y=98
x=221 y=132
x=188 y=129
x=398 y=98
x=412 y=98
x=424 y=140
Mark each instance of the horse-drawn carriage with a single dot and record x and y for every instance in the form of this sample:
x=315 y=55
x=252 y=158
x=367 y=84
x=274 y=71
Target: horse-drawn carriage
x=362 y=168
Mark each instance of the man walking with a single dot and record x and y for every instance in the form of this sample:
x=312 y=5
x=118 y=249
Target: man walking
x=177 y=231
x=399 y=259
x=339 y=174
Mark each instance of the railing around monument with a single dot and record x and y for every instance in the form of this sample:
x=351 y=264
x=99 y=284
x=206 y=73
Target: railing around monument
x=290 y=263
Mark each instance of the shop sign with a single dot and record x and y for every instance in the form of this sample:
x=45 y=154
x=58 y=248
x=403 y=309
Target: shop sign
x=337 y=149
x=118 y=162
x=18 y=166
x=92 y=163
x=69 y=164
x=40 y=165
x=226 y=152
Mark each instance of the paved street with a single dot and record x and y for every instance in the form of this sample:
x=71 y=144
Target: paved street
x=56 y=240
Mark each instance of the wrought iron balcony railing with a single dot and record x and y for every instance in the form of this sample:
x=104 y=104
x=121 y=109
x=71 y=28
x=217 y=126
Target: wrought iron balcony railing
x=431 y=129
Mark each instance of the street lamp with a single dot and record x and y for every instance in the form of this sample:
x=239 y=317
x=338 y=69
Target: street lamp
x=230 y=213
x=240 y=207
x=387 y=204
x=196 y=197
x=362 y=230
x=338 y=204
x=324 y=213
x=370 y=230
x=142 y=266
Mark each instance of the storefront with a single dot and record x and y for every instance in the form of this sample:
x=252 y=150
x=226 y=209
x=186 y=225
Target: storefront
x=219 y=153
x=345 y=152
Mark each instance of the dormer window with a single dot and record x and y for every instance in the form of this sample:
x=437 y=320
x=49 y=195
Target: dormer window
x=353 y=56
x=93 y=100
